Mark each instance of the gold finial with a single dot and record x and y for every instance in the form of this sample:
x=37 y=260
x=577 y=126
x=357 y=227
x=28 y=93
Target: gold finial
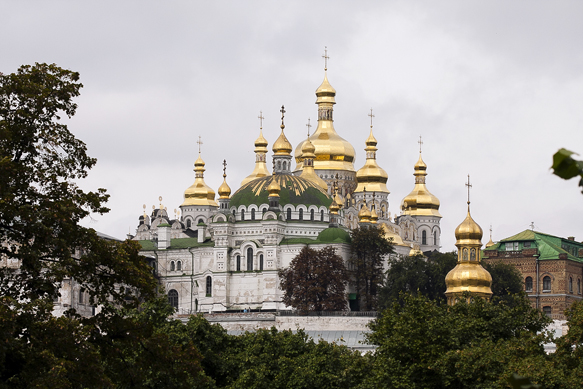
x=309 y=127
x=282 y=110
x=153 y=207
x=260 y=117
x=420 y=143
x=469 y=186
x=144 y=210
x=326 y=58
x=199 y=141
x=160 y=199
x=371 y=116
x=224 y=168
x=490 y=232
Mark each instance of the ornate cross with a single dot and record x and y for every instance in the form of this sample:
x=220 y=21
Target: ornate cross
x=224 y=167
x=469 y=186
x=326 y=58
x=282 y=110
x=199 y=141
x=260 y=117
x=309 y=127
x=371 y=116
x=420 y=143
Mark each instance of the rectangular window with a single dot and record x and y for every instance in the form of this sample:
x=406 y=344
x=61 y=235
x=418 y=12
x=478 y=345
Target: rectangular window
x=511 y=246
x=526 y=245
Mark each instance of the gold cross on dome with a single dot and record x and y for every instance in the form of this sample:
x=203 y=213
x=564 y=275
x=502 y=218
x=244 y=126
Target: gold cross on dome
x=371 y=116
x=469 y=186
x=420 y=141
x=282 y=110
x=199 y=141
x=309 y=127
x=224 y=167
x=326 y=58
x=260 y=117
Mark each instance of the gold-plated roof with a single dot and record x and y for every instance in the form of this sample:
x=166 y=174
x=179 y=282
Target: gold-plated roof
x=397 y=240
x=199 y=193
x=308 y=172
x=334 y=207
x=420 y=202
x=282 y=145
x=332 y=151
x=468 y=275
x=364 y=214
x=224 y=189
x=273 y=188
x=371 y=175
x=260 y=160
x=373 y=216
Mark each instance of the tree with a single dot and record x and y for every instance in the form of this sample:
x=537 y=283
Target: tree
x=40 y=209
x=369 y=249
x=506 y=281
x=426 y=344
x=315 y=281
x=566 y=167
x=416 y=275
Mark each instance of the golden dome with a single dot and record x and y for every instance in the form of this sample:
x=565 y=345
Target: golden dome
x=308 y=172
x=371 y=175
x=332 y=151
x=420 y=202
x=199 y=193
x=334 y=207
x=415 y=250
x=260 y=160
x=224 y=189
x=273 y=188
x=373 y=216
x=490 y=243
x=468 y=275
x=468 y=232
x=364 y=214
x=282 y=145
x=389 y=234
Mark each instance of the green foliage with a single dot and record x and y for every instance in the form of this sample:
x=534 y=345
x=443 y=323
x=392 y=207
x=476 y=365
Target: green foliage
x=425 y=344
x=506 y=281
x=416 y=275
x=315 y=281
x=566 y=167
x=369 y=248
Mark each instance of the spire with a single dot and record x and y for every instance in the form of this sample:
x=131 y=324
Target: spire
x=199 y=193
x=260 y=155
x=420 y=202
x=224 y=189
x=468 y=275
x=371 y=174
x=490 y=242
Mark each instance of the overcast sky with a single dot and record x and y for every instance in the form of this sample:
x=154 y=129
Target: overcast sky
x=494 y=88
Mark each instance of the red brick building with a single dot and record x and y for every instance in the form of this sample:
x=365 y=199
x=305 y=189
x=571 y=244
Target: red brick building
x=552 y=268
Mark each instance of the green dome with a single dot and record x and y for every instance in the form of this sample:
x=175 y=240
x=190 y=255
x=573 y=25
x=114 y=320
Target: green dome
x=294 y=190
x=334 y=235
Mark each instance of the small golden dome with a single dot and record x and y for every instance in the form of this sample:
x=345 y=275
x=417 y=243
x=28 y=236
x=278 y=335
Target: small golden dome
x=261 y=142
x=199 y=193
x=308 y=149
x=373 y=216
x=273 y=188
x=364 y=214
x=389 y=234
x=325 y=92
x=420 y=202
x=260 y=169
x=468 y=232
x=490 y=243
x=468 y=277
x=224 y=189
x=334 y=207
x=415 y=250
x=371 y=175
x=282 y=145
x=339 y=200
x=308 y=172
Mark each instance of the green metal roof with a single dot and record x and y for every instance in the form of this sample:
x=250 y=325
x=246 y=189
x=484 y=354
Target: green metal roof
x=329 y=235
x=181 y=243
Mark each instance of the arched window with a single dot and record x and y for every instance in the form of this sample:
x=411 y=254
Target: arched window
x=423 y=237
x=252 y=214
x=209 y=286
x=284 y=165
x=188 y=223
x=547 y=310
x=546 y=284
x=238 y=263
x=578 y=286
x=242 y=214
x=261 y=262
x=322 y=215
x=528 y=284
x=81 y=295
x=278 y=165
x=570 y=284
x=173 y=298
x=435 y=238
x=264 y=210
x=312 y=215
x=301 y=214
x=249 y=259
x=178 y=265
x=289 y=214
x=172 y=266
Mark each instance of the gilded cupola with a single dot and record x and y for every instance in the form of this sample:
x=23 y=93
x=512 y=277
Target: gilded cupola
x=468 y=275
x=224 y=189
x=199 y=193
x=308 y=155
x=282 y=150
x=420 y=202
x=332 y=151
x=371 y=175
x=260 y=156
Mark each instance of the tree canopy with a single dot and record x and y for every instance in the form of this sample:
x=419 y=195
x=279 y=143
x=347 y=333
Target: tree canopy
x=315 y=281
x=566 y=167
x=369 y=249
